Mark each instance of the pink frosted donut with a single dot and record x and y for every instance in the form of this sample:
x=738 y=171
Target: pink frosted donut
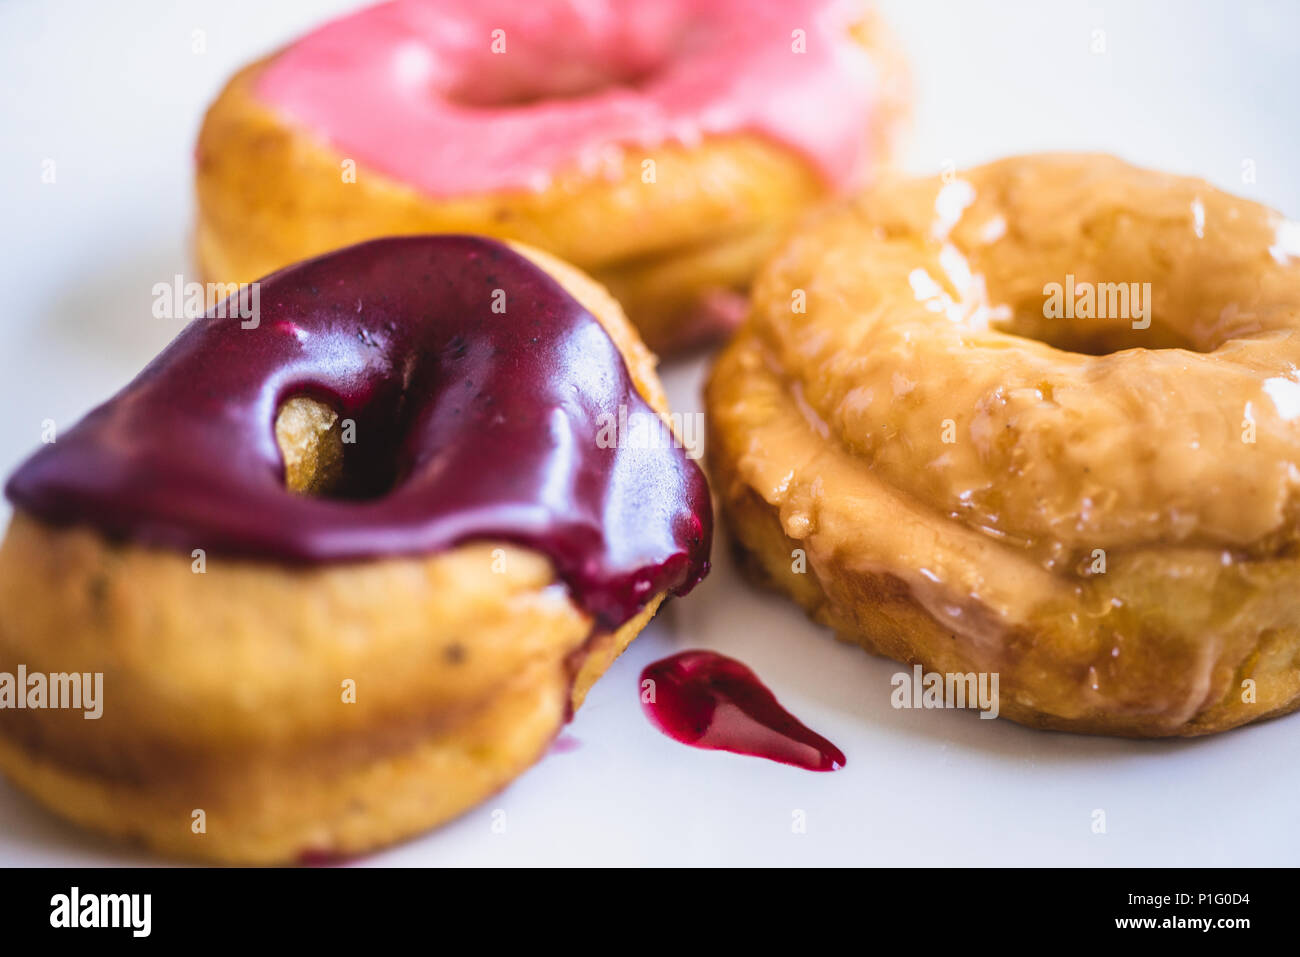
x=470 y=96
x=660 y=145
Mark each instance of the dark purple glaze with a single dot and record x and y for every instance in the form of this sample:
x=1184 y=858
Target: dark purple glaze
x=708 y=700
x=470 y=424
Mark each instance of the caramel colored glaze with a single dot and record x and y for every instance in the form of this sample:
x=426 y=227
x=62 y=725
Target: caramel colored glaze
x=922 y=301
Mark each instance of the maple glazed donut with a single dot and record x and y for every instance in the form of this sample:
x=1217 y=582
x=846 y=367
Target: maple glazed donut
x=663 y=147
x=345 y=569
x=1097 y=503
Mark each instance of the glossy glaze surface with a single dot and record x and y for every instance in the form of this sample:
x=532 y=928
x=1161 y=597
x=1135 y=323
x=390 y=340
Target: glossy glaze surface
x=926 y=303
x=1104 y=514
x=471 y=422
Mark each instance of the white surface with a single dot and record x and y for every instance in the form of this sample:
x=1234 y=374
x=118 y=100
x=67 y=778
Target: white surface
x=113 y=93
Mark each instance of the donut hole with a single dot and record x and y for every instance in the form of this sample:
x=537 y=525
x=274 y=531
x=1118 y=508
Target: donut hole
x=320 y=460
x=1091 y=308
x=1109 y=290
x=568 y=54
x=508 y=87
x=311 y=446
x=1093 y=337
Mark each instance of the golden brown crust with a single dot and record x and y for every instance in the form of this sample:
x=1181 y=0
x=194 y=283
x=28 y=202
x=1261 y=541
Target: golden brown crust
x=269 y=195
x=227 y=689
x=1158 y=611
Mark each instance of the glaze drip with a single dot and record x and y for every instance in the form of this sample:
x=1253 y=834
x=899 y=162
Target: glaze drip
x=711 y=701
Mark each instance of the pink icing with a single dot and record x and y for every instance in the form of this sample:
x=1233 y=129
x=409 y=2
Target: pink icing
x=413 y=89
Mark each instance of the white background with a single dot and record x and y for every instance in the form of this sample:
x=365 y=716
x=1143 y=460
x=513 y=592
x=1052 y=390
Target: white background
x=113 y=94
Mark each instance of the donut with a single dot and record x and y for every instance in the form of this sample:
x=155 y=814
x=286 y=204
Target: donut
x=918 y=441
x=661 y=147
x=348 y=566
